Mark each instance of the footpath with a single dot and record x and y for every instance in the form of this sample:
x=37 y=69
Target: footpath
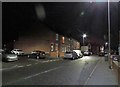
x=102 y=75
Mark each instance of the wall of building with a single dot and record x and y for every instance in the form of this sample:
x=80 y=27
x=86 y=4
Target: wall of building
x=68 y=44
x=38 y=38
x=42 y=38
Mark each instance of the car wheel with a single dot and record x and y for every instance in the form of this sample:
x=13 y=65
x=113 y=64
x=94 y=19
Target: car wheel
x=28 y=56
x=78 y=57
x=73 y=58
x=38 y=57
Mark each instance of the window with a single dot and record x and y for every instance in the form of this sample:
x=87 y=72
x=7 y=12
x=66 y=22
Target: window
x=52 y=47
x=57 y=37
x=63 y=39
x=56 y=46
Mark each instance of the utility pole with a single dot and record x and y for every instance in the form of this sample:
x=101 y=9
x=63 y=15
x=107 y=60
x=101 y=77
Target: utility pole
x=119 y=43
x=109 y=47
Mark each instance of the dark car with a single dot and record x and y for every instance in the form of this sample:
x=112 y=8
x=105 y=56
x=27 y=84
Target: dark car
x=101 y=53
x=115 y=57
x=37 y=54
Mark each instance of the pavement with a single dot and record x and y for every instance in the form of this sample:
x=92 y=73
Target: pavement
x=102 y=75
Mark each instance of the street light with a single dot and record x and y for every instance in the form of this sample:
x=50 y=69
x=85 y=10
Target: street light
x=84 y=36
x=109 y=45
x=106 y=43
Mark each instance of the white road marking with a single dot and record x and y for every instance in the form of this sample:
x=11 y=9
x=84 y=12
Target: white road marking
x=9 y=68
x=50 y=60
x=76 y=60
x=17 y=66
x=92 y=72
x=29 y=65
x=45 y=61
x=42 y=72
x=33 y=60
x=20 y=66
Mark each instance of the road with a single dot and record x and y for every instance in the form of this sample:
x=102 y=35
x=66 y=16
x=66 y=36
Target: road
x=56 y=71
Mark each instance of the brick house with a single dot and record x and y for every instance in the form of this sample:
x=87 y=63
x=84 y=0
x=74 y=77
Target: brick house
x=42 y=38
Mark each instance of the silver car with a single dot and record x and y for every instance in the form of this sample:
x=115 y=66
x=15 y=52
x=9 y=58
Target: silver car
x=9 y=57
x=71 y=55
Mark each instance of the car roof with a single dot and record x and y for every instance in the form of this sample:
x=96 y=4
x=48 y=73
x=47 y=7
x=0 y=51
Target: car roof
x=37 y=50
x=17 y=49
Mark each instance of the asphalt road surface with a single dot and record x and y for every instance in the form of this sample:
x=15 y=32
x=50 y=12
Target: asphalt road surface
x=48 y=71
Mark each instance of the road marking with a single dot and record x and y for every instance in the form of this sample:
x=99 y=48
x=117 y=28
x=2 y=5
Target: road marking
x=9 y=68
x=92 y=72
x=20 y=66
x=50 y=60
x=33 y=60
x=29 y=65
x=76 y=60
x=45 y=61
x=16 y=66
x=42 y=72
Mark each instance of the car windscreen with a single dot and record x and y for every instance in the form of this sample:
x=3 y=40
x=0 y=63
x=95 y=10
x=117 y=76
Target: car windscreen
x=19 y=50
x=68 y=52
x=37 y=51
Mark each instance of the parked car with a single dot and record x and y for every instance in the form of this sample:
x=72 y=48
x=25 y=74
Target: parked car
x=37 y=54
x=8 y=56
x=101 y=53
x=71 y=55
x=86 y=53
x=106 y=54
x=17 y=51
x=115 y=57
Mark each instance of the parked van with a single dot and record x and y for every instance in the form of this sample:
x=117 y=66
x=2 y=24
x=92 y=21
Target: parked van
x=79 y=53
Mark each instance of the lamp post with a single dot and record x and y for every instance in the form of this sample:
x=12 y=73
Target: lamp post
x=106 y=47
x=109 y=47
x=84 y=36
x=13 y=44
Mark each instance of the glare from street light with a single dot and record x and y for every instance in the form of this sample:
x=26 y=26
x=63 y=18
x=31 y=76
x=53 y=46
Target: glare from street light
x=106 y=43
x=82 y=13
x=84 y=35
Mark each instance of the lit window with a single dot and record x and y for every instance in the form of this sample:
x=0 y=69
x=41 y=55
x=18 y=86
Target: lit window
x=56 y=48
x=57 y=37
x=63 y=39
x=52 y=47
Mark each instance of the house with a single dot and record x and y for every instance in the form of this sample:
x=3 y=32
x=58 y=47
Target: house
x=40 y=37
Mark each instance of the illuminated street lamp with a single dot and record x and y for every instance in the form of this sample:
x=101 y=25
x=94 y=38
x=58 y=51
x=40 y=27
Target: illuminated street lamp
x=106 y=43
x=84 y=36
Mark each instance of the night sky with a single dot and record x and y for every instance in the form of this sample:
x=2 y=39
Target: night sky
x=68 y=18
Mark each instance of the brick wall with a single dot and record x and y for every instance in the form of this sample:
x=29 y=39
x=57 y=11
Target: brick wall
x=40 y=38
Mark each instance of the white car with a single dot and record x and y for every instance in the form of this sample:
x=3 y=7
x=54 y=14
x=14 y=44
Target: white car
x=79 y=53
x=17 y=51
x=86 y=53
